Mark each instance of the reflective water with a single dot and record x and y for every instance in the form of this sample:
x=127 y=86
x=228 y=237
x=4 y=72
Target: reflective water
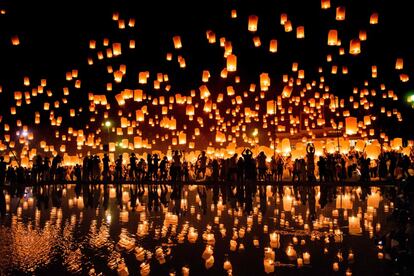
x=220 y=230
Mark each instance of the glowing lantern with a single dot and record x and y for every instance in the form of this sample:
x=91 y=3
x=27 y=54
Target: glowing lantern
x=340 y=13
x=15 y=40
x=271 y=106
x=354 y=46
x=333 y=37
x=399 y=64
x=286 y=146
x=253 y=20
x=351 y=125
x=118 y=76
x=360 y=145
x=177 y=42
x=116 y=49
x=264 y=81
x=182 y=138
x=288 y=26
x=325 y=4
x=404 y=77
x=256 y=41
x=273 y=46
x=396 y=143
x=287 y=91
x=373 y=19
x=300 y=32
x=231 y=63
x=233 y=13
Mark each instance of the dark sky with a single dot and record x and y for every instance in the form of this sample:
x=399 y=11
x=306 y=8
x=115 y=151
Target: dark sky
x=54 y=37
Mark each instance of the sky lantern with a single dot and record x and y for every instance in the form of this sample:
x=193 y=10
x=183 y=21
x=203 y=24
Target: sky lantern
x=340 y=13
x=325 y=4
x=116 y=49
x=373 y=19
x=256 y=41
x=177 y=42
x=288 y=26
x=283 y=18
x=233 y=13
x=404 y=77
x=354 y=46
x=399 y=64
x=182 y=138
x=118 y=76
x=15 y=40
x=252 y=25
x=351 y=125
x=231 y=63
x=131 y=22
x=264 y=81
x=363 y=35
x=300 y=32
x=273 y=46
x=332 y=37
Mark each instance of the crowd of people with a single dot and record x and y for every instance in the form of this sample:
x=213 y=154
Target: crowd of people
x=246 y=167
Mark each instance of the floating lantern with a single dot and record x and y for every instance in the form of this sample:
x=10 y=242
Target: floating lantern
x=273 y=46
x=340 y=13
x=351 y=125
x=253 y=20
x=333 y=37
x=177 y=42
x=231 y=63
x=355 y=46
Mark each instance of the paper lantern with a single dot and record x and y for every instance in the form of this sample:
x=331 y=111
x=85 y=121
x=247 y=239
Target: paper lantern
x=396 y=143
x=360 y=145
x=283 y=18
x=271 y=107
x=399 y=64
x=300 y=32
x=182 y=138
x=231 y=63
x=355 y=46
x=177 y=42
x=373 y=19
x=253 y=20
x=264 y=81
x=273 y=46
x=404 y=77
x=340 y=13
x=351 y=125
x=256 y=41
x=15 y=40
x=325 y=4
x=116 y=49
x=288 y=26
x=233 y=13
x=286 y=146
x=332 y=37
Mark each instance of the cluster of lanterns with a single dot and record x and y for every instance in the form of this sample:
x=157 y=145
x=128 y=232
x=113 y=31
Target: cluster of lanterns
x=286 y=232
x=153 y=115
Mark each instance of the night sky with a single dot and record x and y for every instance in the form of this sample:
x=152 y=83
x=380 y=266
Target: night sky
x=54 y=38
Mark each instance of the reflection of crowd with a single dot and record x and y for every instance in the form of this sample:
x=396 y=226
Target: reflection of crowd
x=246 y=167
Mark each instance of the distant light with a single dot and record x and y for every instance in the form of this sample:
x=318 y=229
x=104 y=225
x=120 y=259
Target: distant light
x=24 y=133
x=107 y=123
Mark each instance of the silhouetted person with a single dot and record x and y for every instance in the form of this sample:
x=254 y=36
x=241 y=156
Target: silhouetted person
x=3 y=169
x=105 y=172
